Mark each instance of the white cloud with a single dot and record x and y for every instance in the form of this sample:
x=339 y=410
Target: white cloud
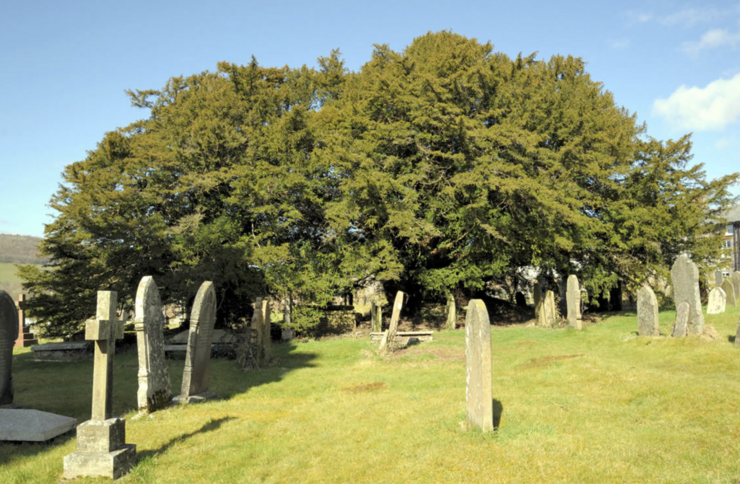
x=692 y=16
x=702 y=109
x=723 y=143
x=712 y=39
x=620 y=44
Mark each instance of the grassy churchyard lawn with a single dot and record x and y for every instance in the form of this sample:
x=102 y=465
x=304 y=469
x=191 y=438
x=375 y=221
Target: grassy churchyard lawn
x=601 y=405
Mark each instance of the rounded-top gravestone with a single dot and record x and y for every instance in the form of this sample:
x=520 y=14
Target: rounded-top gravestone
x=647 y=312
x=685 y=279
x=716 y=302
x=729 y=289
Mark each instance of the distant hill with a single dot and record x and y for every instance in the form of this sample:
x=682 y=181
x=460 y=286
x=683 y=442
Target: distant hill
x=20 y=249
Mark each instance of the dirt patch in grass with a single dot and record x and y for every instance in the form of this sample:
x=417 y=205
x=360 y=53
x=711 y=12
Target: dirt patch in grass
x=367 y=387
x=526 y=342
x=439 y=353
x=547 y=361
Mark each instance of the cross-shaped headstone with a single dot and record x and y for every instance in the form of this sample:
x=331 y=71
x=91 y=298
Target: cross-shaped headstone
x=105 y=329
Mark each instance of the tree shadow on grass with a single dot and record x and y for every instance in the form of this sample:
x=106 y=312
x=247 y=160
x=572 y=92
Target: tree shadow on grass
x=208 y=427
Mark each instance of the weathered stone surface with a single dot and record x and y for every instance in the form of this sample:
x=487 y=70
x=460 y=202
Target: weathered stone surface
x=736 y=283
x=479 y=392
x=266 y=331
x=197 y=372
x=718 y=279
x=647 y=312
x=683 y=312
x=737 y=334
x=573 y=296
x=101 y=448
x=376 y=316
x=685 y=279
x=395 y=318
x=23 y=425
x=154 y=378
x=717 y=301
x=729 y=289
x=8 y=335
x=538 y=302
x=550 y=310
x=451 y=322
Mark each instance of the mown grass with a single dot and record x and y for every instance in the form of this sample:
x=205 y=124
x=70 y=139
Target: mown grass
x=600 y=405
x=7 y=273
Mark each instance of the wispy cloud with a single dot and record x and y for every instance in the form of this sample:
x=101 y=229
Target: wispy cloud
x=712 y=39
x=688 y=17
x=723 y=143
x=702 y=109
x=620 y=44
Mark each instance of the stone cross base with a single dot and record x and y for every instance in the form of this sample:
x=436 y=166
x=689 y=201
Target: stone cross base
x=101 y=450
x=197 y=398
x=25 y=340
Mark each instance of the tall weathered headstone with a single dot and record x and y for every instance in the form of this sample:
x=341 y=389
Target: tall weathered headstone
x=573 y=295
x=197 y=372
x=451 y=322
x=729 y=289
x=550 y=310
x=478 y=366
x=389 y=339
x=266 y=335
x=25 y=337
x=736 y=284
x=647 y=312
x=718 y=279
x=376 y=316
x=102 y=450
x=538 y=302
x=154 y=378
x=685 y=278
x=287 y=333
x=683 y=313
x=717 y=301
x=8 y=335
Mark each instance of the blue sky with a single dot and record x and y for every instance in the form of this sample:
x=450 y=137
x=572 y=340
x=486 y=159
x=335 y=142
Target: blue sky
x=65 y=65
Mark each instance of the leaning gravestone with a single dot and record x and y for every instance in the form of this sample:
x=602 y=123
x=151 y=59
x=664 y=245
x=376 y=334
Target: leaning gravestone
x=683 y=311
x=717 y=301
x=573 y=295
x=154 y=378
x=197 y=372
x=685 y=278
x=388 y=342
x=102 y=450
x=647 y=312
x=729 y=289
x=8 y=335
x=478 y=366
x=736 y=284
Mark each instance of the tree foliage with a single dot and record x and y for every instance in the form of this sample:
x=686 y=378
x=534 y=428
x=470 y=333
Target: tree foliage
x=445 y=167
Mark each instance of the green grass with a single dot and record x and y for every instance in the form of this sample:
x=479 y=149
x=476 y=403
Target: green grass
x=596 y=406
x=7 y=273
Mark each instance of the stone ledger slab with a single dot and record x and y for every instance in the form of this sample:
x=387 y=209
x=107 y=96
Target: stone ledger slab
x=24 y=425
x=685 y=279
x=716 y=302
x=647 y=312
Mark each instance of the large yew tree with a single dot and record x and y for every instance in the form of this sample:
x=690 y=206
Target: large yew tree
x=443 y=168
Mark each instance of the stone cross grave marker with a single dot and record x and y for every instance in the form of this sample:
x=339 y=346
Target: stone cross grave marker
x=685 y=278
x=25 y=337
x=736 y=283
x=717 y=301
x=478 y=366
x=101 y=441
x=389 y=339
x=154 y=391
x=729 y=289
x=197 y=372
x=573 y=296
x=682 y=319
x=8 y=335
x=647 y=312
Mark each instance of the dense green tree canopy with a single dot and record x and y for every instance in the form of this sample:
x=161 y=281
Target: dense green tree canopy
x=445 y=167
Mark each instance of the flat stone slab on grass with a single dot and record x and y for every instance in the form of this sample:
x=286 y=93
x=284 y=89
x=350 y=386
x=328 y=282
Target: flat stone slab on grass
x=22 y=425
x=71 y=350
